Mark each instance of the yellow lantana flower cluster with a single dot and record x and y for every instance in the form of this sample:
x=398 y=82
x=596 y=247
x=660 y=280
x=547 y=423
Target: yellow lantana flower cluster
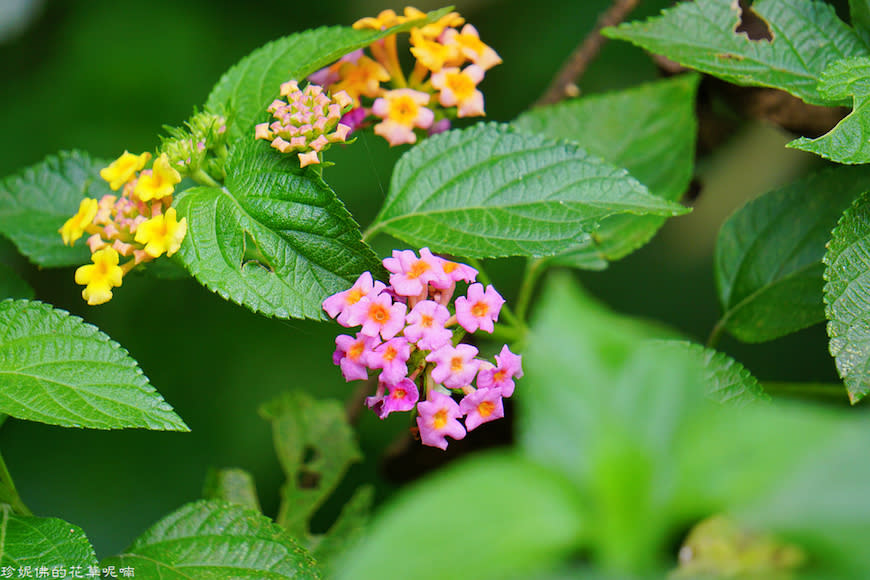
x=138 y=224
x=449 y=63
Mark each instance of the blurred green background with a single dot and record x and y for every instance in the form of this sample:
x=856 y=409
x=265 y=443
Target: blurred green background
x=105 y=76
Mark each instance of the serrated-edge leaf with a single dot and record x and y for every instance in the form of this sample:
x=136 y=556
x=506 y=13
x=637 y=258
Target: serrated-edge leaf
x=847 y=297
x=57 y=369
x=306 y=245
x=658 y=116
x=213 y=539
x=727 y=380
x=492 y=191
x=28 y=541
x=35 y=203
x=849 y=141
x=807 y=36
x=295 y=56
x=768 y=254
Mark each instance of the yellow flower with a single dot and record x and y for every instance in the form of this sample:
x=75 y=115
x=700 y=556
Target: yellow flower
x=432 y=54
x=433 y=29
x=159 y=182
x=122 y=169
x=162 y=233
x=75 y=226
x=100 y=277
x=386 y=19
x=363 y=77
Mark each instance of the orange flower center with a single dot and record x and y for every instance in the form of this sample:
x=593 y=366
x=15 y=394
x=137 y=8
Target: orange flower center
x=426 y=321
x=418 y=269
x=354 y=295
x=486 y=408
x=404 y=110
x=456 y=364
x=440 y=419
x=399 y=393
x=390 y=353
x=356 y=351
x=479 y=309
x=378 y=313
x=461 y=85
x=449 y=267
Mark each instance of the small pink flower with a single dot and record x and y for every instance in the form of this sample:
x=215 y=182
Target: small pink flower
x=410 y=274
x=459 y=89
x=339 y=304
x=350 y=354
x=426 y=325
x=509 y=365
x=402 y=110
x=455 y=367
x=437 y=419
x=403 y=396
x=479 y=309
x=481 y=406
x=454 y=272
x=391 y=356
x=378 y=315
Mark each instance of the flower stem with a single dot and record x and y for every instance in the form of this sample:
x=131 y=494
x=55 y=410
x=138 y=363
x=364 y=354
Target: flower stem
x=204 y=178
x=8 y=493
x=716 y=333
x=370 y=232
x=534 y=268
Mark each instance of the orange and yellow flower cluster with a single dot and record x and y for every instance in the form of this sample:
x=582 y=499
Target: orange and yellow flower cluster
x=138 y=224
x=450 y=62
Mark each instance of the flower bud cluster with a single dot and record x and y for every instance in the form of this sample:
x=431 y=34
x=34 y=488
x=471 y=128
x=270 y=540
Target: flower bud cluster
x=410 y=338
x=307 y=122
x=201 y=146
x=449 y=63
x=138 y=224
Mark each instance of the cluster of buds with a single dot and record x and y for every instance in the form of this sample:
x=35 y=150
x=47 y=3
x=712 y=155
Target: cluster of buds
x=138 y=224
x=411 y=336
x=200 y=148
x=307 y=122
x=449 y=64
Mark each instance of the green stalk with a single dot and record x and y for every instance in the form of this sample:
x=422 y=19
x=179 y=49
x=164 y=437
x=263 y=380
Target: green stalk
x=534 y=268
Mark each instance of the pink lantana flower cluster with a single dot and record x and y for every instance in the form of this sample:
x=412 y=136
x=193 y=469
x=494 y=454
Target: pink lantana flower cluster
x=450 y=61
x=410 y=336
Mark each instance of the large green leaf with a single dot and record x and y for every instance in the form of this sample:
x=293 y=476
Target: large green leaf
x=629 y=423
x=27 y=541
x=494 y=517
x=806 y=37
x=11 y=284
x=849 y=141
x=727 y=380
x=491 y=191
x=273 y=240
x=315 y=446
x=847 y=297
x=249 y=86
x=650 y=130
x=57 y=369
x=768 y=255
x=36 y=202
x=215 y=540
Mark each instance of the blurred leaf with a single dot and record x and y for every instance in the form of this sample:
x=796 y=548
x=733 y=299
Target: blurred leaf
x=36 y=202
x=27 y=541
x=57 y=369
x=488 y=518
x=859 y=10
x=347 y=529
x=491 y=191
x=847 y=296
x=249 y=86
x=272 y=239
x=849 y=141
x=768 y=255
x=12 y=286
x=315 y=446
x=806 y=37
x=215 y=540
x=232 y=485
x=727 y=380
x=650 y=130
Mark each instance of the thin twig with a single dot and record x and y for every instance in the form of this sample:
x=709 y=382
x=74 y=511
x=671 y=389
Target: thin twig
x=565 y=83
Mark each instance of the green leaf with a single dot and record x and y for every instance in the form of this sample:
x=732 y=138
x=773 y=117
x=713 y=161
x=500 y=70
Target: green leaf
x=215 y=540
x=36 y=542
x=727 y=380
x=11 y=284
x=36 y=202
x=768 y=254
x=848 y=141
x=250 y=85
x=232 y=485
x=57 y=369
x=847 y=296
x=272 y=240
x=649 y=130
x=806 y=37
x=315 y=446
x=490 y=191
x=859 y=10
x=489 y=518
